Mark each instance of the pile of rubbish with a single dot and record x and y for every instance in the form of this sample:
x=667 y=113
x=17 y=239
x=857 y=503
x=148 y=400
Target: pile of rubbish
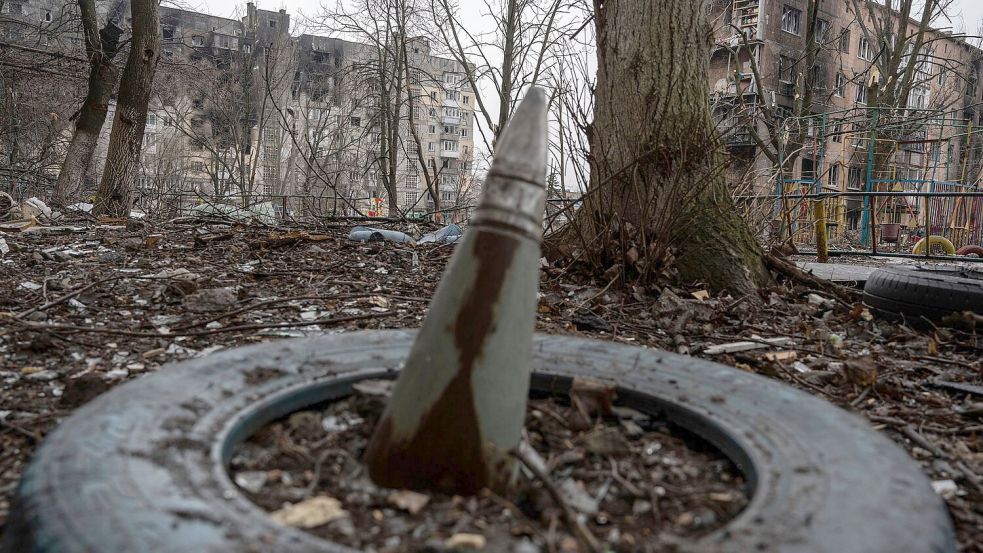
x=17 y=216
x=450 y=234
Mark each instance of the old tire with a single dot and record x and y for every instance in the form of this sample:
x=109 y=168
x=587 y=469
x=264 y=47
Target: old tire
x=934 y=240
x=142 y=468
x=966 y=250
x=924 y=291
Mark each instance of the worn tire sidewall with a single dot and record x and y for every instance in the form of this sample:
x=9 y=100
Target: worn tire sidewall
x=140 y=468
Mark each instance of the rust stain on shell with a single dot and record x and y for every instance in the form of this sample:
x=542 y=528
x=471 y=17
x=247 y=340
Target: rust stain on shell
x=446 y=453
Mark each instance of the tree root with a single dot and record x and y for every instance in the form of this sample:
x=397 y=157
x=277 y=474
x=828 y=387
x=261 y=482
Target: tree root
x=791 y=271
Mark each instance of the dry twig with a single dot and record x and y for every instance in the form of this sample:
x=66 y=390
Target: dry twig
x=579 y=527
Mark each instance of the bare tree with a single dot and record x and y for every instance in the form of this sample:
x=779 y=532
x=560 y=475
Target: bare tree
x=40 y=71
x=101 y=47
x=657 y=196
x=402 y=89
x=515 y=55
x=126 y=138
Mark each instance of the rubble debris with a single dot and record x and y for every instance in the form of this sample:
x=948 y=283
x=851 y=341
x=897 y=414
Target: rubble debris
x=450 y=234
x=371 y=234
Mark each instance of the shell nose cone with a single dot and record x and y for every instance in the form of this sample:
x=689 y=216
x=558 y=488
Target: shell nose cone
x=521 y=149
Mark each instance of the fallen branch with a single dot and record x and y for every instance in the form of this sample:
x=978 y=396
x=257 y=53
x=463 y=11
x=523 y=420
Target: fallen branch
x=37 y=438
x=579 y=527
x=784 y=267
x=69 y=296
x=747 y=345
x=959 y=469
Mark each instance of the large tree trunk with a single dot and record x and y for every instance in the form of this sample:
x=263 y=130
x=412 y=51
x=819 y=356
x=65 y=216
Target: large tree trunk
x=657 y=191
x=126 y=138
x=101 y=47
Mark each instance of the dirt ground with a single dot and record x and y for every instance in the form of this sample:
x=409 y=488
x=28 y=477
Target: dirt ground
x=86 y=307
x=636 y=479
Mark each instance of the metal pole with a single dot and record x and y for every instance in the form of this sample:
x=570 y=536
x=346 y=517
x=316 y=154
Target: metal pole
x=864 y=233
x=778 y=212
x=819 y=205
x=928 y=229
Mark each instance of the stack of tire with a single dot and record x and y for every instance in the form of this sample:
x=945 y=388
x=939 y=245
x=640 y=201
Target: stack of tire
x=924 y=292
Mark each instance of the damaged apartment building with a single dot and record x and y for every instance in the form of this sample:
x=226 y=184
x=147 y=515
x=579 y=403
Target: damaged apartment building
x=244 y=113
x=758 y=82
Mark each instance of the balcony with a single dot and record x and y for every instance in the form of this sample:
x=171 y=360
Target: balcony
x=450 y=153
x=450 y=120
x=739 y=138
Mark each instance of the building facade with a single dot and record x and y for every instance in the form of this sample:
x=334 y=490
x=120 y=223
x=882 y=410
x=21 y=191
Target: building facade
x=244 y=112
x=758 y=83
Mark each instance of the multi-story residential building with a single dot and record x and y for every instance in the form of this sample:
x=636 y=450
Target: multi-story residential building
x=305 y=121
x=829 y=144
x=243 y=112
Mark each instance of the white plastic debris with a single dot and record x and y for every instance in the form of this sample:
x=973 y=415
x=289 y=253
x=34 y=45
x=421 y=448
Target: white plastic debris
x=309 y=315
x=945 y=488
x=340 y=423
x=4 y=248
x=251 y=480
x=819 y=301
x=116 y=374
x=801 y=367
x=32 y=207
x=28 y=285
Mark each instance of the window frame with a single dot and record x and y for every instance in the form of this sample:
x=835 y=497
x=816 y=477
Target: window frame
x=791 y=20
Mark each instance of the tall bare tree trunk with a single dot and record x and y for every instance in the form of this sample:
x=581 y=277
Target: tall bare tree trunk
x=101 y=46
x=126 y=139
x=657 y=191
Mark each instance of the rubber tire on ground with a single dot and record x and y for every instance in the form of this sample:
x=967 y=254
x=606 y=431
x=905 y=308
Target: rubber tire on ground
x=142 y=468
x=934 y=240
x=966 y=250
x=924 y=291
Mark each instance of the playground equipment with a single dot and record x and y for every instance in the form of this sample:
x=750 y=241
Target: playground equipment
x=932 y=242
x=905 y=173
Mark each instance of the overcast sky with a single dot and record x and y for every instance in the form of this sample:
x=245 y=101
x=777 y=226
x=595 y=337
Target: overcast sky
x=969 y=14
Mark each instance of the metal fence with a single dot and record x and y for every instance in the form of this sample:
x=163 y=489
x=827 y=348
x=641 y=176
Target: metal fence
x=301 y=208
x=876 y=222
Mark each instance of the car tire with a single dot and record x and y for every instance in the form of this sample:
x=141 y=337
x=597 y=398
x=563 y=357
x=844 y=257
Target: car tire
x=966 y=250
x=142 y=468
x=913 y=293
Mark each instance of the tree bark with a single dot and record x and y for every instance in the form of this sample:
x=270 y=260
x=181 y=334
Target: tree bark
x=126 y=139
x=101 y=47
x=657 y=191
